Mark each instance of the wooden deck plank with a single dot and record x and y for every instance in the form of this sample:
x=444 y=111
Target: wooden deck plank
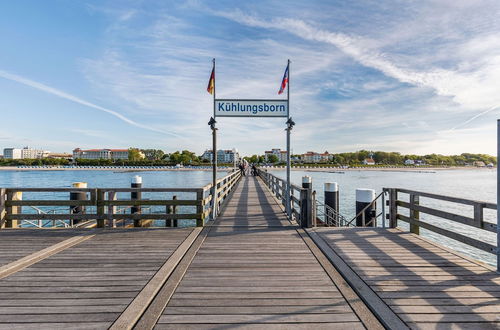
x=247 y=269
x=55 y=326
x=259 y=318
x=425 y=285
x=91 y=283
x=269 y=326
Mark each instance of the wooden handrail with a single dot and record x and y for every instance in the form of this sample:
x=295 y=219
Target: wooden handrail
x=101 y=208
x=415 y=208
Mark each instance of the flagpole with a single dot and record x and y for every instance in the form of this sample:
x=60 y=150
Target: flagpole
x=288 y=129
x=498 y=196
x=214 y=162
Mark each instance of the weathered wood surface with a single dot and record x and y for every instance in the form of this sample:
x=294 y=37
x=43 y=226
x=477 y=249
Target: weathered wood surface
x=426 y=286
x=255 y=271
x=16 y=243
x=88 y=285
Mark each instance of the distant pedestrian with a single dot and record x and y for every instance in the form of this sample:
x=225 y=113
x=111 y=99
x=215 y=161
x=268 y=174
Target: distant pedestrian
x=254 y=170
x=242 y=169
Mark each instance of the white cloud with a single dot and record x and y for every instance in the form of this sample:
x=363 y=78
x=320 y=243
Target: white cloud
x=473 y=89
x=64 y=95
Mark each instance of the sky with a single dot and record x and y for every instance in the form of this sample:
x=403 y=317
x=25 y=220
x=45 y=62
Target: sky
x=412 y=76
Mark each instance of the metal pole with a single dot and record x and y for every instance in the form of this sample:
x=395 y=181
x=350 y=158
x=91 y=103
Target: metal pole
x=498 y=196
x=383 y=210
x=288 y=210
x=214 y=163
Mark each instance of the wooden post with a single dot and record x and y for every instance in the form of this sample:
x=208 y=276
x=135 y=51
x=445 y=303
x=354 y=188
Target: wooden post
x=3 y=211
x=100 y=208
x=112 y=196
x=10 y=210
x=393 y=208
x=478 y=214
x=172 y=209
x=303 y=208
x=414 y=214
x=200 y=222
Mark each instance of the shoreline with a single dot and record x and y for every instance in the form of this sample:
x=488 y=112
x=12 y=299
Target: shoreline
x=304 y=169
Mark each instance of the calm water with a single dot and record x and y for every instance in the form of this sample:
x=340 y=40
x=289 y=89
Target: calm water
x=472 y=184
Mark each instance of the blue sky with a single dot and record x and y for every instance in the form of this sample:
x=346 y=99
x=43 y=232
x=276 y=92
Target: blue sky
x=409 y=76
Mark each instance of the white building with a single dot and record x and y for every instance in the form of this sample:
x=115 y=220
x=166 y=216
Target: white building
x=281 y=154
x=368 y=161
x=223 y=156
x=24 y=153
x=100 y=154
x=315 y=157
x=409 y=162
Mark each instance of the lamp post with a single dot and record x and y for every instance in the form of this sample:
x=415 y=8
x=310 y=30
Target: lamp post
x=212 y=123
x=289 y=125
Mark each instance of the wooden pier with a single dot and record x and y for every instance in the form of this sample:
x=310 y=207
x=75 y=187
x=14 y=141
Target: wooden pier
x=250 y=269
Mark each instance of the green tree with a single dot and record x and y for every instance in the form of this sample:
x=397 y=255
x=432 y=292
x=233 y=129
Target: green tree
x=272 y=159
x=134 y=154
x=153 y=154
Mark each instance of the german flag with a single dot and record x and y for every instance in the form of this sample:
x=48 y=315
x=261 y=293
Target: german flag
x=211 y=82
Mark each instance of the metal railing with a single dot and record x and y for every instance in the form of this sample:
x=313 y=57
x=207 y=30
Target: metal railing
x=372 y=221
x=329 y=217
x=102 y=207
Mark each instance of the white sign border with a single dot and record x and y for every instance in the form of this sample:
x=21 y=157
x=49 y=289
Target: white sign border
x=250 y=100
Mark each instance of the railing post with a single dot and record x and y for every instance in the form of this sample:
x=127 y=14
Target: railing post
x=10 y=210
x=200 y=221
x=414 y=214
x=478 y=214
x=3 y=211
x=393 y=208
x=313 y=209
x=172 y=209
x=100 y=208
x=112 y=196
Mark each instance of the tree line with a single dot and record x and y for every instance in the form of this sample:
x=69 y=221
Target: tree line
x=156 y=157
x=387 y=158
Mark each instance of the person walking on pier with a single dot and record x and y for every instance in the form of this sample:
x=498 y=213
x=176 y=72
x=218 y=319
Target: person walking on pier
x=242 y=169
x=254 y=170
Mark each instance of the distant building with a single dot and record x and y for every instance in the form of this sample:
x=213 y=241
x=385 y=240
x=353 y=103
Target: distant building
x=281 y=154
x=100 y=154
x=479 y=164
x=24 y=153
x=409 y=162
x=315 y=157
x=368 y=161
x=223 y=156
x=55 y=155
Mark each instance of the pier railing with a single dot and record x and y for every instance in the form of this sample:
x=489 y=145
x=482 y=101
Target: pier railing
x=303 y=204
x=472 y=215
x=109 y=207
